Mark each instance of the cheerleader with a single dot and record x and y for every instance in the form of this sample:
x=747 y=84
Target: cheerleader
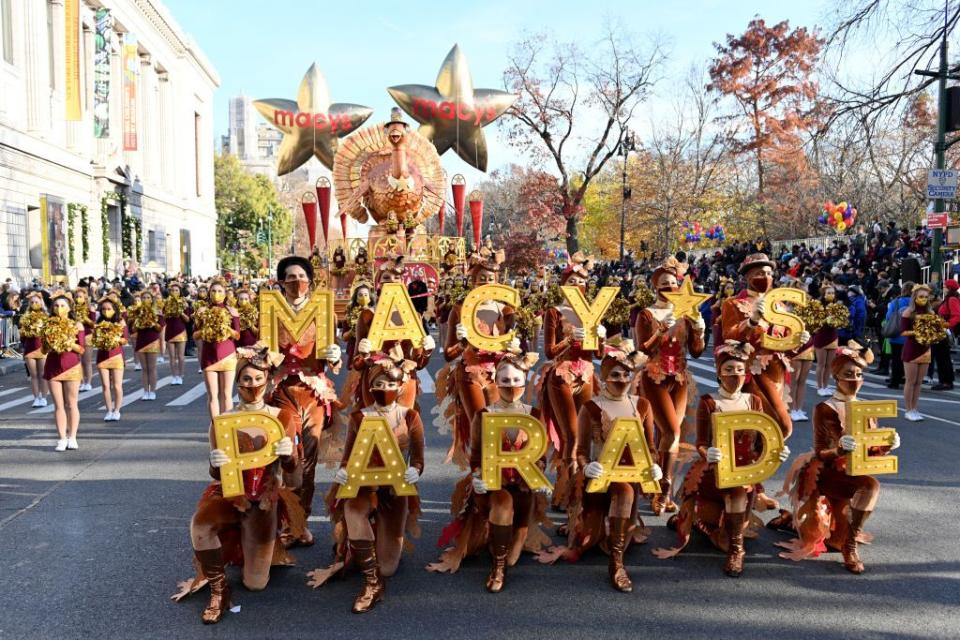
x=201 y=301
x=825 y=341
x=916 y=356
x=31 y=341
x=249 y=319
x=175 y=330
x=63 y=370
x=145 y=323
x=218 y=326
x=800 y=366
x=109 y=337
x=81 y=309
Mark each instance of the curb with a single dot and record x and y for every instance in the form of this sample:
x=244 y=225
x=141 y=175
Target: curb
x=10 y=366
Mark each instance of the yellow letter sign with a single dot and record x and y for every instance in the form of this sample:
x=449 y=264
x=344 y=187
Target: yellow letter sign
x=786 y=319
x=859 y=461
x=225 y=430
x=274 y=311
x=494 y=459
x=394 y=298
x=590 y=314
x=725 y=427
x=500 y=293
x=375 y=433
x=626 y=434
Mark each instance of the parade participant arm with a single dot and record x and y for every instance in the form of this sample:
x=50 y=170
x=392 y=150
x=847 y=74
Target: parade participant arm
x=552 y=328
x=456 y=342
x=738 y=326
x=363 y=343
x=584 y=432
x=235 y=323
x=826 y=426
x=417 y=444
x=646 y=416
x=217 y=457
x=476 y=450
x=649 y=334
x=705 y=430
x=421 y=355
x=695 y=336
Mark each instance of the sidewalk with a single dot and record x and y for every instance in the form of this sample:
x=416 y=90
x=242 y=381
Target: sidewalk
x=10 y=366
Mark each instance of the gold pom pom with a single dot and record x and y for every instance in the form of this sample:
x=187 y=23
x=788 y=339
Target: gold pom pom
x=618 y=313
x=643 y=296
x=813 y=314
x=837 y=316
x=249 y=316
x=929 y=329
x=59 y=334
x=215 y=324
x=31 y=324
x=107 y=335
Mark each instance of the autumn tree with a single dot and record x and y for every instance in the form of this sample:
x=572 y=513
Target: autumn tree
x=768 y=73
x=573 y=108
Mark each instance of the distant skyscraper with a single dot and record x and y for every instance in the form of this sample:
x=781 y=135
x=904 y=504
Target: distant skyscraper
x=242 y=134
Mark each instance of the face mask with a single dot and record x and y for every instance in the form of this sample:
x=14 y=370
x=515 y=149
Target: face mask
x=663 y=290
x=63 y=312
x=616 y=388
x=921 y=302
x=761 y=284
x=174 y=294
x=108 y=313
x=384 y=397
x=218 y=296
x=296 y=288
x=510 y=394
x=202 y=295
x=829 y=297
x=363 y=300
x=732 y=383
x=35 y=305
x=849 y=387
x=251 y=394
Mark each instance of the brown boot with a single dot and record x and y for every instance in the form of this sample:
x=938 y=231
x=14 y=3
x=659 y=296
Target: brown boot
x=733 y=523
x=365 y=557
x=500 y=538
x=211 y=564
x=666 y=484
x=617 y=542
x=851 y=559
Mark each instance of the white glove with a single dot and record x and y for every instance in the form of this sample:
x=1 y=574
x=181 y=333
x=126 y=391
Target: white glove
x=804 y=337
x=579 y=334
x=283 y=447
x=479 y=486
x=593 y=470
x=700 y=324
x=411 y=475
x=657 y=472
x=758 y=310
x=896 y=441
x=714 y=455
x=514 y=344
x=364 y=346
x=428 y=344
x=784 y=453
x=848 y=443
x=218 y=458
x=669 y=321
x=461 y=331
x=332 y=354
x=601 y=331
x=340 y=477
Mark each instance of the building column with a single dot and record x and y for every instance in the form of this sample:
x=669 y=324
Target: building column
x=35 y=64
x=145 y=120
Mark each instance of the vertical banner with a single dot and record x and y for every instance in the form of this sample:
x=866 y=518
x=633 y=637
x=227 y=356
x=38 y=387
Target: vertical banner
x=101 y=75
x=53 y=239
x=71 y=58
x=131 y=70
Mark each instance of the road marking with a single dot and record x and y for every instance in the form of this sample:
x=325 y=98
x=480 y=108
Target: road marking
x=19 y=401
x=7 y=392
x=136 y=395
x=426 y=381
x=188 y=397
x=85 y=395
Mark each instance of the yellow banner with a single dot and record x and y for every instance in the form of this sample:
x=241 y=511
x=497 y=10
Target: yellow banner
x=71 y=58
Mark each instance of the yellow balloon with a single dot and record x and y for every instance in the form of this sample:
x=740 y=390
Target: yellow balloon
x=842 y=206
x=841 y=226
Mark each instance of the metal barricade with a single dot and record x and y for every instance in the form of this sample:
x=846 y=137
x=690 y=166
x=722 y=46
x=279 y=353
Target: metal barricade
x=9 y=338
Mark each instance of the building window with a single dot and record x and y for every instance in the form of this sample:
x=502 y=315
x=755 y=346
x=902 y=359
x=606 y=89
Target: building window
x=151 y=246
x=50 y=48
x=6 y=29
x=196 y=149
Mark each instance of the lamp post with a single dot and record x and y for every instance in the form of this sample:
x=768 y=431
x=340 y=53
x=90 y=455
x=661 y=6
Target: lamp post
x=270 y=240
x=627 y=144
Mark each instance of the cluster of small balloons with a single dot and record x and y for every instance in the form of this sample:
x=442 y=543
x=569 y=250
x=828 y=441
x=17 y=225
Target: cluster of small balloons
x=696 y=232
x=840 y=216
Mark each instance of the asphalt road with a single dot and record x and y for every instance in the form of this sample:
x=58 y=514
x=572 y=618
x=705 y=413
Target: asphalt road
x=93 y=542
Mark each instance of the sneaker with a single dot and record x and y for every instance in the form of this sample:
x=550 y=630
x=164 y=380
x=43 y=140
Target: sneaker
x=794 y=415
x=137 y=367
x=153 y=395
x=116 y=416
x=43 y=401
x=108 y=417
x=72 y=444
x=823 y=393
x=800 y=417
x=145 y=396
x=61 y=445
x=36 y=403
x=161 y=360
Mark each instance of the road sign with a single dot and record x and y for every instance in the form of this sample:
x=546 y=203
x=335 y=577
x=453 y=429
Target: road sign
x=942 y=184
x=937 y=220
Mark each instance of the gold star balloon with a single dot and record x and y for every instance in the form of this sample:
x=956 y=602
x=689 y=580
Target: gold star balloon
x=452 y=114
x=686 y=302
x=311 y=125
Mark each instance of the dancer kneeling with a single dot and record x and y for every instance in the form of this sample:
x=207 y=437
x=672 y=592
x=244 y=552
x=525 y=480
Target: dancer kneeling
x=369 y=528
x=243 y=530
x=721 y=514
x=821 y=491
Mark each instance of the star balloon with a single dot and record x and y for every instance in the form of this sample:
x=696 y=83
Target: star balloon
x=686 y=302
x=452 y=114
x=311 y=125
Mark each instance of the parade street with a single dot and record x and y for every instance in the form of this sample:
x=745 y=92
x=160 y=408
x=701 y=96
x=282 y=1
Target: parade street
x=93 y=543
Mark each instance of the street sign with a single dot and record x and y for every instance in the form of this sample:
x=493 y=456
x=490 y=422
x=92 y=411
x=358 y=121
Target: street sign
x=937 y=220
x=941 y=184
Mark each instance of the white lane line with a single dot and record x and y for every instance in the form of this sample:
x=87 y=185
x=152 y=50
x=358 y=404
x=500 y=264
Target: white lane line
x=188 y=397
x=86 y=395
x=136 y=395
x=7 y=392
x=19 y=401
x=426 y=381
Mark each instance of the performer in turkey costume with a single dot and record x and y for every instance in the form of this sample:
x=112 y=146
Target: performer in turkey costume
x=567 y=381
x=468 y=377
x=665 y=380
x=829 y=506
x=369 y=528
x=301 y=387
x=243 y=530
x=721 y=514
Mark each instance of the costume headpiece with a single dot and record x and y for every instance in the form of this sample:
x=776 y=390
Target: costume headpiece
x=852 y=352
x=393 y=365
x=580 y=265
x=394 y=266
x=670 y=266
x=732 y=350
x=259 y=357
x=517 y=358
x=619 y=352
x=756 y=260
x=396 y=117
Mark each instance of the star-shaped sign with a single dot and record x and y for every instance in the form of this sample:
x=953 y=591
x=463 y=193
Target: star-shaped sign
x=311 y=125
x=452 y=114
x=686 y=302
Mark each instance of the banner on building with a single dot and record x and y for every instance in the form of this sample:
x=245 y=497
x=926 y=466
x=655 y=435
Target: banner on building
x=101 y=75
x=71 y=58
x=53 y=239
x=131 y=71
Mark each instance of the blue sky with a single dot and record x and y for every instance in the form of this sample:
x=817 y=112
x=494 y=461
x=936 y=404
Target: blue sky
x=262 y=49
